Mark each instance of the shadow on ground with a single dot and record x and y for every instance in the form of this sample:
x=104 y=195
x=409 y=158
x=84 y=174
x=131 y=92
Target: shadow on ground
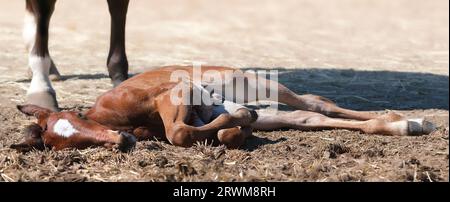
x=359 y=90
x=369 y=90
x=255 y=142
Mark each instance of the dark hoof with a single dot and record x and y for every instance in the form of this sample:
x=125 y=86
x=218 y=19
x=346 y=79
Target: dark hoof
x=127 y=142
x=44 y=99
x=420 y=127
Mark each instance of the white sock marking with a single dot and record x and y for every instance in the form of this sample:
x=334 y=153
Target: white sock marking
x=226 y=106
x=399 y=127
x=29 y=30
x=232 y=107
x=40 y=66
x=418 y=121
x=64 y=128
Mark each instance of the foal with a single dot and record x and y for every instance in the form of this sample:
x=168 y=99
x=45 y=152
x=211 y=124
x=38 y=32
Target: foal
x=35 y=34
x=143 y=107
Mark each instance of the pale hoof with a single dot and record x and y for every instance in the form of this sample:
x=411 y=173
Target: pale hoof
x=43 y=99
x=420 y=127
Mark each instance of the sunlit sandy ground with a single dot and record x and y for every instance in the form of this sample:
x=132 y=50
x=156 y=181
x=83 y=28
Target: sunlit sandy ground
x=346 y=50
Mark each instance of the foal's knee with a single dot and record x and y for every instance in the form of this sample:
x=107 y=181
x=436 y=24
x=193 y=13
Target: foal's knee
x=180 y=135
x=233 y=138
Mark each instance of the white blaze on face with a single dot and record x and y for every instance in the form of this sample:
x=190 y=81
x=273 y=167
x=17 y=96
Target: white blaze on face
x=64 y=128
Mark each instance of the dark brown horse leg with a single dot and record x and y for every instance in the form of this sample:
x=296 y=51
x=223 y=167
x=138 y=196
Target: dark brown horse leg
x=117 y=59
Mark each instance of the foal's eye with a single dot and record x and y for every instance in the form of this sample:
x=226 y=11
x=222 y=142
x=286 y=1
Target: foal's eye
x=81 y=116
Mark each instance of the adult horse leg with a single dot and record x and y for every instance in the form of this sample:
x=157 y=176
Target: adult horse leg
x=29 y=34
x=40 y=91
x=117 y=59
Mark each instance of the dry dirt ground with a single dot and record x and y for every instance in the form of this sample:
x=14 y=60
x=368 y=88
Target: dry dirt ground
x=363 y=54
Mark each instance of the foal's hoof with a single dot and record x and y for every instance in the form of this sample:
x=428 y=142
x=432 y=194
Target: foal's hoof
x=46 y=99
x=420 y=127
x=232 y=138
x=127 y=141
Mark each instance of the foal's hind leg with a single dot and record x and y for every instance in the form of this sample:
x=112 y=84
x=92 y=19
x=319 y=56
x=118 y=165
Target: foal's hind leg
x=321 y=105
x=308 y=102
x=182 y=130
x=388 y=124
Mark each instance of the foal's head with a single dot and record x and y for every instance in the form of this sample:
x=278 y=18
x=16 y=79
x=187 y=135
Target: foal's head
x=59 y=130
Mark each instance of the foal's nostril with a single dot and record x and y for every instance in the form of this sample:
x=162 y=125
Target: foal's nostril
x=127 y=141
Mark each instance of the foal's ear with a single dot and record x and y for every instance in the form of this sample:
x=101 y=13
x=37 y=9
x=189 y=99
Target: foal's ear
x=34 y=110
x=32 y=139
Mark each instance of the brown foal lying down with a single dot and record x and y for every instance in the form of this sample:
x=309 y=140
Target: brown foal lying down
x=142 y=108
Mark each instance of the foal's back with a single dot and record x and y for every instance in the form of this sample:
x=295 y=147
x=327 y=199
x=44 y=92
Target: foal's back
x=132 y=103
x=161 y=75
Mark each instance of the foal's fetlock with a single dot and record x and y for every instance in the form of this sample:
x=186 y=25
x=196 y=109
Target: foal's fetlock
x=397 y=124
x=408 y=127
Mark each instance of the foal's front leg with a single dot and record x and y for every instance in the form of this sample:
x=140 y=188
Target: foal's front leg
x=233 y=137
x=176 y=120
